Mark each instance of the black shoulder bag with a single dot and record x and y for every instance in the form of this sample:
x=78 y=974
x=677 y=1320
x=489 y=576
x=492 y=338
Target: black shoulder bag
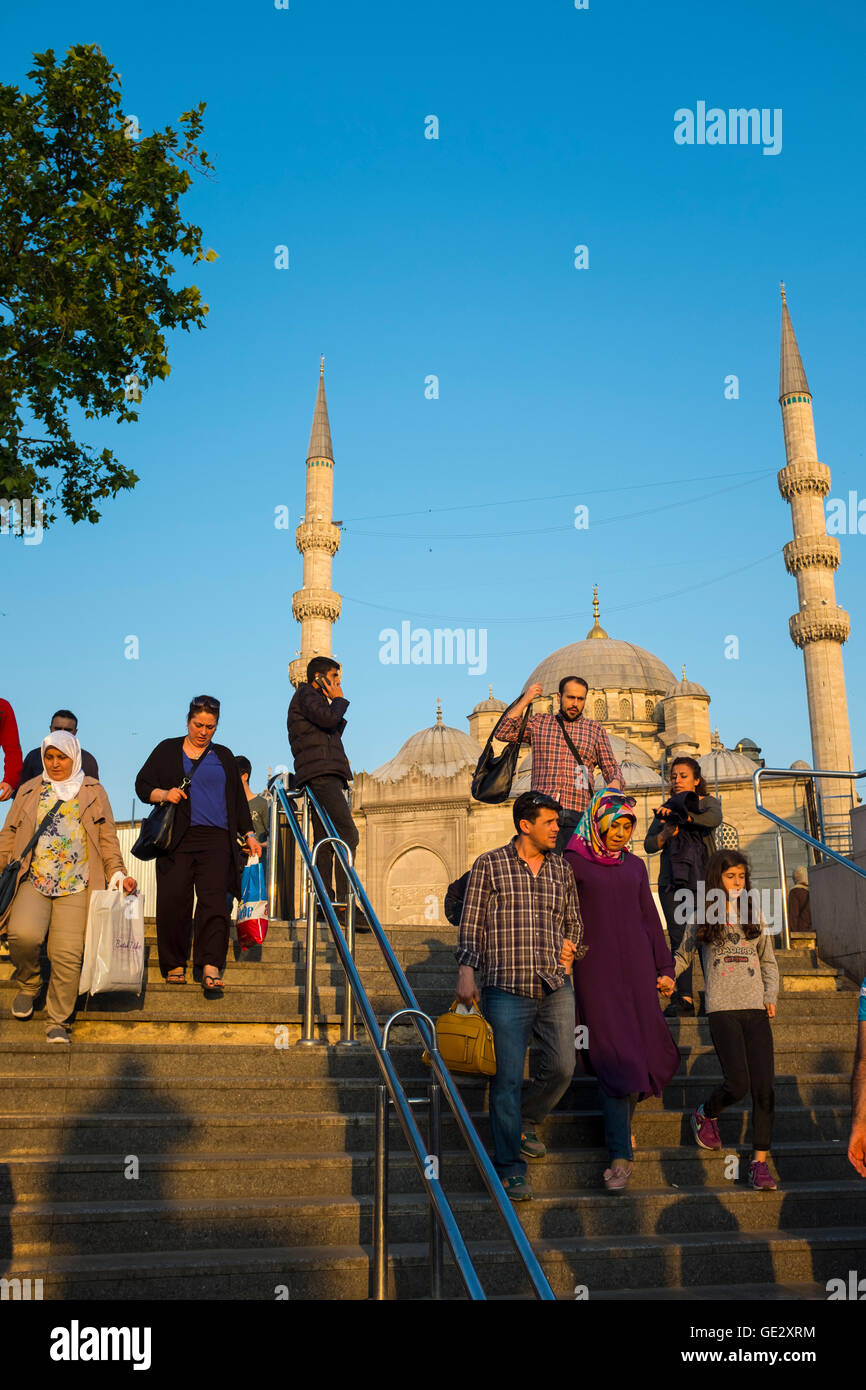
x=9 y=876
x=155 y=836
x=491 y=781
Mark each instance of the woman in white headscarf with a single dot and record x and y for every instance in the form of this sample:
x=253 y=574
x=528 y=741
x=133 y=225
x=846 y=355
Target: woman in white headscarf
x=76 y=852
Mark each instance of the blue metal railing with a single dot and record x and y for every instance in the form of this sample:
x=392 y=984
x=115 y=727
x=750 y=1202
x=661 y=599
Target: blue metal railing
x=402 y=1104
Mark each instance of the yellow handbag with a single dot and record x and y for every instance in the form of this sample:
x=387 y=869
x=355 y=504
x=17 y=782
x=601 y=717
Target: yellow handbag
x=465 y=1042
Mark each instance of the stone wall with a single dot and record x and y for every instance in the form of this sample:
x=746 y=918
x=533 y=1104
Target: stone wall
x=839 y=906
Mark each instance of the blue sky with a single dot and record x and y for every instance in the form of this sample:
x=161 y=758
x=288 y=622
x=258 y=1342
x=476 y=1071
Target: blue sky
x=558 y=386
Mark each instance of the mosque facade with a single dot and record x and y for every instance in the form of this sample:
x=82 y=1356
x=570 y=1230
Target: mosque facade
x=419 y=825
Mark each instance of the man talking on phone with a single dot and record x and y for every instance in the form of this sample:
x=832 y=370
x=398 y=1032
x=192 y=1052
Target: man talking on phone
x=316 y=722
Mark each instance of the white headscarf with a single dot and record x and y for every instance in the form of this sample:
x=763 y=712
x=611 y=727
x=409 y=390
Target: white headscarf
x=66 y=743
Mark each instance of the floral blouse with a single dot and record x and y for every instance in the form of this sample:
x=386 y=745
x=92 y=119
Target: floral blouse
x=59 y=865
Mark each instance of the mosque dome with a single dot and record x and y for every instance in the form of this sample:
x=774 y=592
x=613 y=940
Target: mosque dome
x=604 y=662
x=800 y=764
x=727 y=765
x=439 y=751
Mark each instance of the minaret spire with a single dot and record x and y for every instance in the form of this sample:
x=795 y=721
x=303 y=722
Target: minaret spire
x=315 y=605
x=819 y=627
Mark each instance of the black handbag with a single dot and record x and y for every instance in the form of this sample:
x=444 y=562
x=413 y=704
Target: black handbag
x=494 y=773
x=155 y=835
x=9 y=876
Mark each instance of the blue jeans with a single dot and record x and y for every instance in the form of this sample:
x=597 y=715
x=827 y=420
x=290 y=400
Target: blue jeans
x=617 y=1112
x=515 y=1019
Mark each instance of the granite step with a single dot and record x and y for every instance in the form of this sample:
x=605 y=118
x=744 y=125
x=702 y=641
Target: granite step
x=582 y=1266
x=238 y=1173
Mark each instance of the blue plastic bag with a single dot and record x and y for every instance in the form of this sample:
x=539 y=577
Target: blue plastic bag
x=253 y=909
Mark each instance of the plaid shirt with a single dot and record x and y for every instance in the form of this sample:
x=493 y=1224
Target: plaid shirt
x=554 y=769
x=514 y=922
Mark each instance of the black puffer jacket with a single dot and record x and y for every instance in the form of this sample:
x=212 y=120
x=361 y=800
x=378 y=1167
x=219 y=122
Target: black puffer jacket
x=315 y=735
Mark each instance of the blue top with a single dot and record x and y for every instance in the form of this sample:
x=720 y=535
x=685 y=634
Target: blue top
x=207 y=792
x=861 y=1012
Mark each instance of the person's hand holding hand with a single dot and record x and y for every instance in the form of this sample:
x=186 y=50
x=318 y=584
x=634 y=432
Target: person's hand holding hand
x=665 y=985
x=857 y=1148
x=466 y=991
x=567 y=954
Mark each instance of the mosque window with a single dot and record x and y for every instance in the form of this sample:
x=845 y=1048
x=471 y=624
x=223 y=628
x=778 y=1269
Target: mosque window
x=625 y=708
x=599 y=709
x=649 y=709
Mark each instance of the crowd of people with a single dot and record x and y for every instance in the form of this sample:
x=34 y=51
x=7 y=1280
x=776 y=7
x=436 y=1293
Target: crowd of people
x=559 y=937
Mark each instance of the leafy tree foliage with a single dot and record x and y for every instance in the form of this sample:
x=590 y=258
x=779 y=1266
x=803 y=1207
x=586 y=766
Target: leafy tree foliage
x=89 y=222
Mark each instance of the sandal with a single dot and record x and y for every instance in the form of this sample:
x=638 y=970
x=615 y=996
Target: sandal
x=212 y=984
x=176 y=976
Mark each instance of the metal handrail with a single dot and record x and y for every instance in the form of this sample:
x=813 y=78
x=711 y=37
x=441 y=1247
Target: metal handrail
x=402 y=1107
x=795 y=830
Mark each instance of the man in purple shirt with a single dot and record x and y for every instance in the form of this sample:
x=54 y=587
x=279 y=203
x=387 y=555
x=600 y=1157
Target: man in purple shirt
x=558 y=770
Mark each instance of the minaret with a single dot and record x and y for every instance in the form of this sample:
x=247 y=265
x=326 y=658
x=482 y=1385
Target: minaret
x=819 y=627
x=315 y=605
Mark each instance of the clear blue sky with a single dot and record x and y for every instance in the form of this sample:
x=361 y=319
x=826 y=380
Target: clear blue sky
x=410 y=257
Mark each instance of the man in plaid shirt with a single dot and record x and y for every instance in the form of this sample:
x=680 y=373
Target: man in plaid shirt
x=555 y=770
x=521 y=930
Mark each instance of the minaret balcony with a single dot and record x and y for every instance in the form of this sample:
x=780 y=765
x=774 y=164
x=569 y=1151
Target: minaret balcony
x=316 y=603
x=318 y=535
x=812 y=552
x=821 y=623
x=804 y=475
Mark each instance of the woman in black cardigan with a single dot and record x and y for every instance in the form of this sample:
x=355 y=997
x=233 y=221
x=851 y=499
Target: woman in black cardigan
x=211 y=816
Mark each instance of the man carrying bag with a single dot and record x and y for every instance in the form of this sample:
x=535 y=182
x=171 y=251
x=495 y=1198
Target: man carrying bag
x=566 y=748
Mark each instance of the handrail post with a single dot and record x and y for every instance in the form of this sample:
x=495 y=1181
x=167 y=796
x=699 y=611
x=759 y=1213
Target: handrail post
x=780 y=855
x=434 y=1123
x=305 y=831
x=306 y=1038
x=380 y=1195
x=273 y=846
x=347 y=1032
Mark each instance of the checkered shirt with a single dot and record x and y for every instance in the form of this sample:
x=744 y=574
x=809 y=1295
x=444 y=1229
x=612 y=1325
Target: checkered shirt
x=514 y=922
x=554 y=769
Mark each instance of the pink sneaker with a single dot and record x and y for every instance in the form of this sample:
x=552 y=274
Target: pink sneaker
x=705 y=1130
x=760 y=1177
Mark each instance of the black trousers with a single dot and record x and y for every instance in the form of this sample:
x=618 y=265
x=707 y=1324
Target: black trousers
x=203 y=861
x=330 y=793
x=743 y=1040
x=676 y=932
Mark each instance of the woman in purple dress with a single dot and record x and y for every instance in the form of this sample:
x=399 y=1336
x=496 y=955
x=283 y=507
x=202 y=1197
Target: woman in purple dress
x=623 y=1038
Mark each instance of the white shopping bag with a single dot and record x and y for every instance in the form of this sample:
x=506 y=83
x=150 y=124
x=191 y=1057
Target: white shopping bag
x=114 y=944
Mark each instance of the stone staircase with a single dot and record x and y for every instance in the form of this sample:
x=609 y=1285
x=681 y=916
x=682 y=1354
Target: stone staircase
x=185 y=1148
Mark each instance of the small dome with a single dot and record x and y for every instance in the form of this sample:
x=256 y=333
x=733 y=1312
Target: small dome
x=490 y=706
x=438 y=752
x=747 y=743
x=685 y=687
x=637 y=777
x=727 y=765
x=800 y=764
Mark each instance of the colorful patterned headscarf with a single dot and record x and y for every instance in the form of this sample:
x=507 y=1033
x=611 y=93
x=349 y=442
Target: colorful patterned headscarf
x=588 y=837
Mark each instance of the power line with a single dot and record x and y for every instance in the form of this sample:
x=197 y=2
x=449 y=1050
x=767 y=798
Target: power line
x=565 y=617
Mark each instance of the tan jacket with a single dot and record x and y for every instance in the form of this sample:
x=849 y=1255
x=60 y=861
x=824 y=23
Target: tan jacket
x=103 y=850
